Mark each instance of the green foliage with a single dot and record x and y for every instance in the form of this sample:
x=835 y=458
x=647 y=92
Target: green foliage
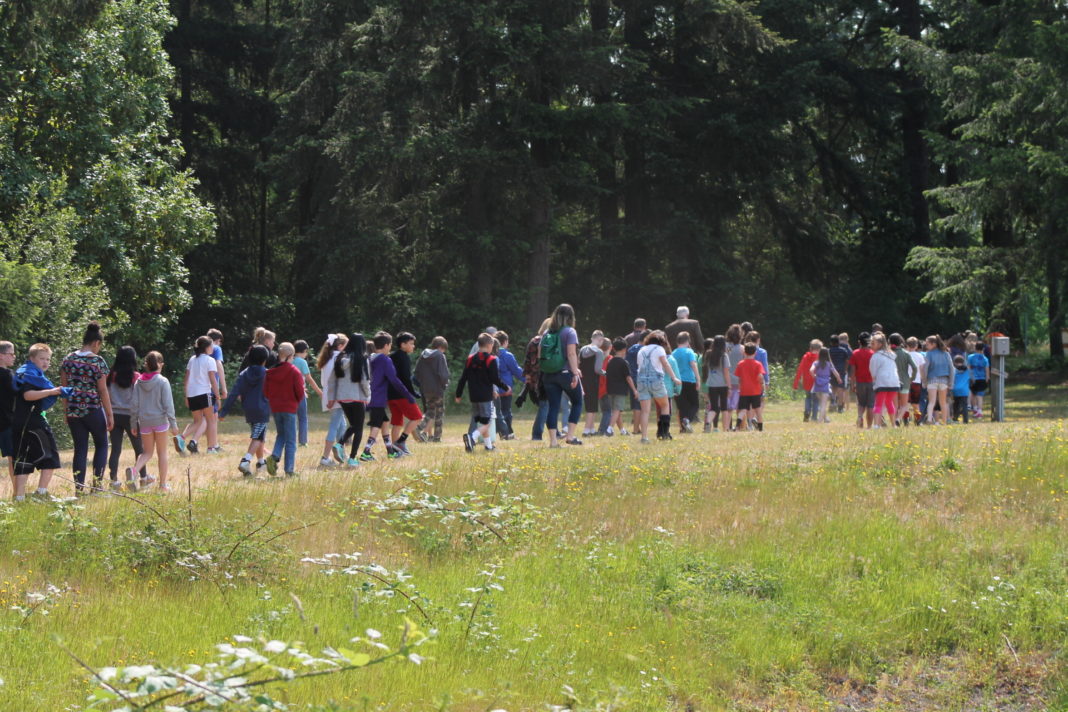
x=19 y=283
x=91 y=190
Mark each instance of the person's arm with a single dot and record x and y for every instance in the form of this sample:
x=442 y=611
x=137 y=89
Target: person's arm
x=331 y=387
x=800 y=369
x=572 y=362
x=105 y=400
x=696 y=373
x=315 y=386
x=298 y=385
x=222 y=377
x=31 y=396
x=836 y=374
x=851 y=371
x=394 y=379
x=213 y=379
x=812 y=370
x=62 y=383
x=912 y=370
x=233 y=395
x=460 y=386
x=517 y=370
x=168 y=406
x=495 y=378
x=630 y=382
x=185 y=386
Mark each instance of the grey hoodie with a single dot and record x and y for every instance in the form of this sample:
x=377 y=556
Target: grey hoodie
x=154 y=404
x=432 y=372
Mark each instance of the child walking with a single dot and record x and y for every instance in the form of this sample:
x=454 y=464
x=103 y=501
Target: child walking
x=962 y=388
x=885 y=381
x=404 y=415
x=619 y=385
x=300 y=360
x=750 y=375
x=822 y=371
x=33 y=443
x=154 y=418
x=122 y=388
x=350 y=388
x=201 y=385
x=432 y=372
x=803 y=377
x=481 y=374
x=383 y=374
x=335 y=431
x=249 y=388
x=89 y=406
x=717 y=379
x=284 y=389
x=979 y=365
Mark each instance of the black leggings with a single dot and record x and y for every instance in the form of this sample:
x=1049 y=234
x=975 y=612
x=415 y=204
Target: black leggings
x=717 y=402
x=123 y=426
x=354 y=413
x=93 y=425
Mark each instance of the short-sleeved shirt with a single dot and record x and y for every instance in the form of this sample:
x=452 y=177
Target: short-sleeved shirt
x=750 y=374
x=200 y=368
x=686 y=359
x=919 y=360
x=735 y=355
x=978 y=363
x=939 y=364
x=83 y=369
x=961 y=383
x=861 y=363
x=568 y=337
x=616 y=374
x=302 y=365
x=216 y=353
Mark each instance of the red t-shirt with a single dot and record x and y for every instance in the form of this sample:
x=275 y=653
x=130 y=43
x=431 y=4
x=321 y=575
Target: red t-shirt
x=750 y=373
x=861 y=362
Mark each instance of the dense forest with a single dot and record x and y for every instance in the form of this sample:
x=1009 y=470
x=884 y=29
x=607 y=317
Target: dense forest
x=431 y=165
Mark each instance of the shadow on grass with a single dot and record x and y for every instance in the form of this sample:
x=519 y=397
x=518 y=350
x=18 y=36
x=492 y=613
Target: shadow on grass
x=1036 y=395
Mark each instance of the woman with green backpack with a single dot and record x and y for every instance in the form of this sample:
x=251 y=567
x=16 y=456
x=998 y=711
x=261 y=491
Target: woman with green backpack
x=558 y=363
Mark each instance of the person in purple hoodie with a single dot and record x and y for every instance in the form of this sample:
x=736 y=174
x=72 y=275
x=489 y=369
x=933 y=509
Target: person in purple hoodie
x=383 y=375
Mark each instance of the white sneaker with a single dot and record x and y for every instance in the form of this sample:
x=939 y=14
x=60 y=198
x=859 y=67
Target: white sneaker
x=325 y=462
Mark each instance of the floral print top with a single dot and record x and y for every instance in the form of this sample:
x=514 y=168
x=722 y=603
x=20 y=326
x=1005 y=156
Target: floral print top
x=83 y=369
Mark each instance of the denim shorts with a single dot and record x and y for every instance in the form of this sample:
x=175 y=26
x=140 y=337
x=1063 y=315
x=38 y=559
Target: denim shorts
x=940 y=383
x=651 y=387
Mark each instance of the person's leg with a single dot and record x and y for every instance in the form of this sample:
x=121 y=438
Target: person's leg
x=499 y=423
x=932 y=399
x=279 y=436
x=643 y=423
x=354 y=413
x=98 y=429
x=565 y=409
x=79 y=433
x=211 y=424
x=137 y=444
x=574 y=395
x=538 y=429
x=663 y=418
x=290 y=442
x=553 y=393
x=162 y=464
x=439 y=415
x=19 y=489
x=302 y=422
x=122 y=425
x=979 y=403
x=943 y=401
x=607 y=415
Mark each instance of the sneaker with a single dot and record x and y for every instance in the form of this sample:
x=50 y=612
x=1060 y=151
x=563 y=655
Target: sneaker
x=191 y=446
x=366 y=457
x=402 y=448
x=292 y=474
x=393 y=453
x=608 y=433
x=261 y=465
x=165 y=489
x=686 y=427
x=644 y=441
x=760 y=427
x=421 y=434
x=707 y=428
x=179 y=445
x=338 y=451
x=272 y=465
x=353 y=462
x=510 y=436
x=131 y=485
x=469 y=446
x=325 y=462
x=623 y=431
x=147 y=482
x=215 y=450
x=435 y=439
x=573 y=441
x=245 y=468
x=490 y=448
x=116 y=486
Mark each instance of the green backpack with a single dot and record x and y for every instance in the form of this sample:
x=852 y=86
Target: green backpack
x=552 y=355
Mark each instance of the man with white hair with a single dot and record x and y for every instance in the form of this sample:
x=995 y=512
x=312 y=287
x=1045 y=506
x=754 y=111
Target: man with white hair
x=690 y=326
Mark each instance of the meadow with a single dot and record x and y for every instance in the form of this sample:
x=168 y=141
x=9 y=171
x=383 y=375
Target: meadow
x=804 y=568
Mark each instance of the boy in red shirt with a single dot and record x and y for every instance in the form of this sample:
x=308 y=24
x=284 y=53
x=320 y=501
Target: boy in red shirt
x=861 y=381
x=804 y=378
x=750 y=374
x=284 y=390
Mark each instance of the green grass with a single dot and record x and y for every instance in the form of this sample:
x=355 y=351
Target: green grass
x=808 y=567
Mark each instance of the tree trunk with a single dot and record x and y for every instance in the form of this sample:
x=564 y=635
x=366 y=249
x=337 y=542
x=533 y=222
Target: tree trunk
x=608 y=198
x=185 y=83
x=538 y=274
x=913 y=123
x=1054 y=286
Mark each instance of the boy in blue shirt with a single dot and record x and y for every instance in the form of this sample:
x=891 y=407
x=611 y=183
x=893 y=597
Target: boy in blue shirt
x=687 y=399
x=979 y=365
x=962 y=378
x=510 y=373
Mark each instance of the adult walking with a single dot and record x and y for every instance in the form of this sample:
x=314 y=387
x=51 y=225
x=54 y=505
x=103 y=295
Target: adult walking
x=682 y=323
x=88 y=407
x=558 y=362
x=638 y=335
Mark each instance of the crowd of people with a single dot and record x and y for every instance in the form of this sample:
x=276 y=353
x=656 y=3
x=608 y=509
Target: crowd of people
x=893 y=379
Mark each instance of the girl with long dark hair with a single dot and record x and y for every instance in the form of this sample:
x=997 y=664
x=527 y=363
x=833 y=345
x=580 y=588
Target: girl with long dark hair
x=350 y=388
x=121 y=382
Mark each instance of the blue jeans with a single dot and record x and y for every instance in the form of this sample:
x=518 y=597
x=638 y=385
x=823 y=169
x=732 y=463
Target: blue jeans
x=606 y=414
x=543 y=413
x=812 y=405
x=286 y=425
x=557 y=385
x=335 y=432
x=302 y=422
x=504 y=416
